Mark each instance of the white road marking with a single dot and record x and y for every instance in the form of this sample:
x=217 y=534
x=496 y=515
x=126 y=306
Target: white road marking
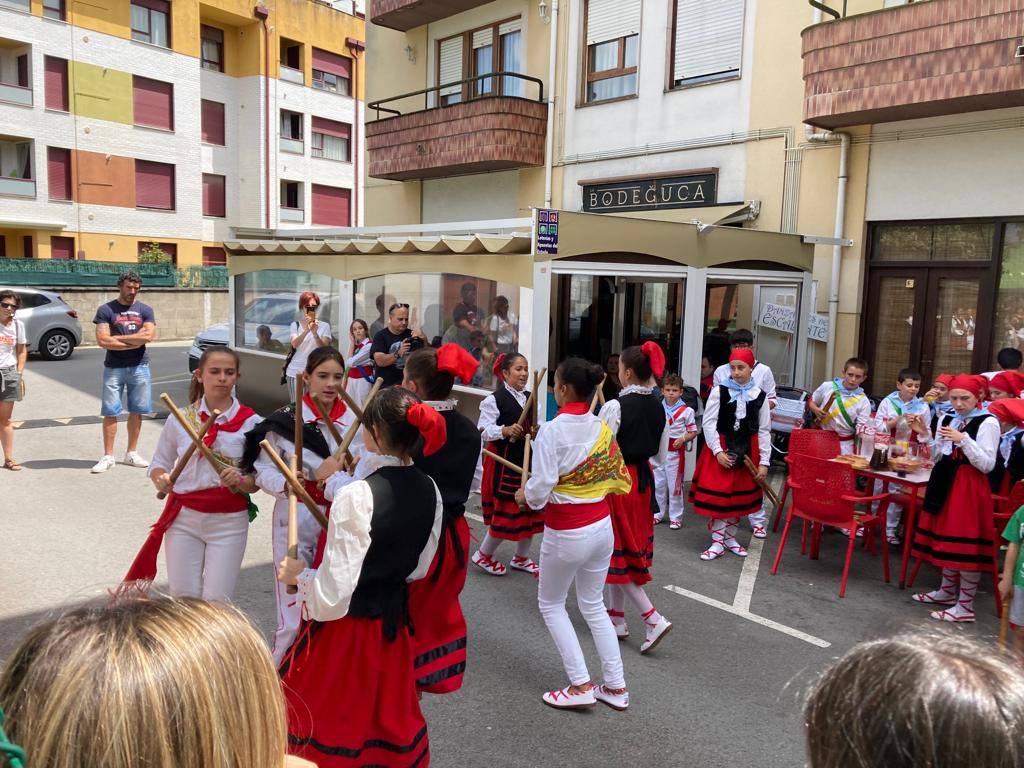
x=745 y=588
x=745 y=614
x=471 y=516
x=172 y=379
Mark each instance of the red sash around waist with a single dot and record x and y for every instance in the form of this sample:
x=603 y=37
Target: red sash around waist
x=567 y=517
x=315 y=491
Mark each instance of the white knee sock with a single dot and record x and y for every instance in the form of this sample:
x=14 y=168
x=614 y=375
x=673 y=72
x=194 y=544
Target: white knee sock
x=968 y=588
x=638 y=597
x=717 y=526
x=616 y=604
x=489 y=545
x=523 y=547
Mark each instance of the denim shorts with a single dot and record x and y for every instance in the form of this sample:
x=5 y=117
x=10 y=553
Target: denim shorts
x=135 y=380
x=10 y=385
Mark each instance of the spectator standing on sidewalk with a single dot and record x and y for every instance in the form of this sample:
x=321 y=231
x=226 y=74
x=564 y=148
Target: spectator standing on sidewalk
x=392 y=344
x=13 y=354
x=123 y=327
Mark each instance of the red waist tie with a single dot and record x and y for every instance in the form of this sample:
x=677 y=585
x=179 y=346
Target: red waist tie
x=678 y=489
x=567 y=517
x=209 y=500
x=315 y=491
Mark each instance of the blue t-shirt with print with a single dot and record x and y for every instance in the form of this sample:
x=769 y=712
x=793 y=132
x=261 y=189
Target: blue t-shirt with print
x=125 y=321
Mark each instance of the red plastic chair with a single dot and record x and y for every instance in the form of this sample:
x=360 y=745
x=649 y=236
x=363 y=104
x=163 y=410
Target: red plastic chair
x=825 y=493
x=819 y=443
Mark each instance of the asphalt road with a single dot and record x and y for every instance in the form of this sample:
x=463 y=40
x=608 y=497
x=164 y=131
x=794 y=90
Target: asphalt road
x=723 y=689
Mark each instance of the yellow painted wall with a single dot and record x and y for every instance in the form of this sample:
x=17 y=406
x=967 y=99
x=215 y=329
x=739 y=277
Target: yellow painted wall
x=99 y=246
x=99 y=92
x=14 y=240
x=391 y=203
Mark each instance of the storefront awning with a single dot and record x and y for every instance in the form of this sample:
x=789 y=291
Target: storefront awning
x=729 y=213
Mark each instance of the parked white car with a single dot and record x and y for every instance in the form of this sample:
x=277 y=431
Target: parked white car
x=51 y=325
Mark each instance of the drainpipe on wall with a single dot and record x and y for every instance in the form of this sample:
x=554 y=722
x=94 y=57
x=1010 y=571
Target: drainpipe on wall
x=549 y=147
x=261 y=13
x=355 y=47
x=837 y=232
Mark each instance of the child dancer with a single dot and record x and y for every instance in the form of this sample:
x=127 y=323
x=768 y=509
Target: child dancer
x=1009 y=468
x=577 y=463
x=938 y=399
x=668 y=477
x=841 y=405
x=505 y=520
x=349 y=678
x=954 y=529
x=901 y=403
x=1005 y=384
x=358 y=362
x=638 y=421
x=439 y=642
x=205 y=522
x=324 y=374
x=737 y=424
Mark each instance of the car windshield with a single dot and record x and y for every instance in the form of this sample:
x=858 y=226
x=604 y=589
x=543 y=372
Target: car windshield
x=271 y=312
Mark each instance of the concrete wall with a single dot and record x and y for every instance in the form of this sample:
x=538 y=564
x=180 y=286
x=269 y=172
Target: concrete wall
x=180 y=312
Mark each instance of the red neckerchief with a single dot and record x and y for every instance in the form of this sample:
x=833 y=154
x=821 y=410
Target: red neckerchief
x=574 y=409
x=337 y=410
x=232 y=425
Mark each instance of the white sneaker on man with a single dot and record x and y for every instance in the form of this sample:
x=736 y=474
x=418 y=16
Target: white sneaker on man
x=133 y=459
x=103 y=464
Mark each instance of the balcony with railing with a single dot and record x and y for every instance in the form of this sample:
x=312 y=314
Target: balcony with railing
x=404 y=15
x=469 y=126
x=924 y=59
x=17 y=176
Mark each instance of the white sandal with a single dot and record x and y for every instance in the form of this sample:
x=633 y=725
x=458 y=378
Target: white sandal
x=488 y=564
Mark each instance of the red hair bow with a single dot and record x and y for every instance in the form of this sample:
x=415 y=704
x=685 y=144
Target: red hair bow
x=496 y=368
x=430 y=425
x=453 y=359
x=656 y=357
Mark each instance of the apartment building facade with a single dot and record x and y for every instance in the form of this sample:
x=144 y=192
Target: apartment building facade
x=135 y=122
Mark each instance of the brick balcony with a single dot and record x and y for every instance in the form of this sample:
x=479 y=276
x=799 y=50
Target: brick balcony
x=491 y=134
x=940 y=57
x=404 y=15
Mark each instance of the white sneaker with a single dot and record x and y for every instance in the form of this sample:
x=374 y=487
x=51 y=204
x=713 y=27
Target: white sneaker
x=103 y=464
x=655 y=634
x=566 y=699
x=488 y=563
x=133 y=459
x=619 y=701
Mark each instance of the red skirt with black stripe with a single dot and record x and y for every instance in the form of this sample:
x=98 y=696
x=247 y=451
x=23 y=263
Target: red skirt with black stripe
x=718 y=492
x=633 y=525
x=960 y=536
x=502 y=516
x=439 y=639
x=351 y=697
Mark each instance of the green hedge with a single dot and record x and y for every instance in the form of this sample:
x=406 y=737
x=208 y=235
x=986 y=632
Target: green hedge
x=85 y=273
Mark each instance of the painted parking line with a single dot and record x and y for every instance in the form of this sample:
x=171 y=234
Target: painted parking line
x=76 y=421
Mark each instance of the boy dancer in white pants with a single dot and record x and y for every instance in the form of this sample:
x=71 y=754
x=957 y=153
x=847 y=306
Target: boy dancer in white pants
x=668 y=476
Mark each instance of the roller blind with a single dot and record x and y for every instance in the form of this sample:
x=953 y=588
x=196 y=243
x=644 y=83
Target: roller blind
x=212 y=117
x=709 y=37
x=483 y=37
x=451 y=64
x=326 y=61
x=331 y=205
x=331 y=127
x=58 y=172
x=153 y=103
x=213 y=195
x=508 y=27
x=154 y=185
x=612 y=19
x=56 y=82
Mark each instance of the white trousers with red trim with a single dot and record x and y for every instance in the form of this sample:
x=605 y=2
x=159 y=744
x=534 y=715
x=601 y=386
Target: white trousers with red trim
x=664 y=488
x=287 y=606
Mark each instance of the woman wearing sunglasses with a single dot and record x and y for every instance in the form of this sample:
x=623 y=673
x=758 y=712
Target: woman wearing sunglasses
x=307 y=333
x=13 y=354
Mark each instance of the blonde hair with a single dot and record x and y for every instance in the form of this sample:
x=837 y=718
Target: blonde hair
x=164 y=683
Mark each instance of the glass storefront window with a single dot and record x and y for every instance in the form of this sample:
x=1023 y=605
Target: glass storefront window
x=1009 y=309
x=267 y=303
x=481 y=316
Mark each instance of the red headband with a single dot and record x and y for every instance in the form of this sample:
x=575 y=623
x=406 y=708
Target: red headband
x=1007 y=381
x=1010 y=410
x=944 y=378
x=430 y=425
x=743 y=355
x=496 y=368
x=655 y=356
x=976 y=385
x=453 y=359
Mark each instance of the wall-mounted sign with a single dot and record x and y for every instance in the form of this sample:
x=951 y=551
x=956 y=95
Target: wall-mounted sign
x=547 y=231
x=693 y=191
x=782 y=318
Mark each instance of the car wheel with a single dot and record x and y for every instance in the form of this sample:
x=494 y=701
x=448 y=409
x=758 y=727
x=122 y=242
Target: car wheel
x=56 y=345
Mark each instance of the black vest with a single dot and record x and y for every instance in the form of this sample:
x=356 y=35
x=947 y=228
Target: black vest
x=941 y=481
x=737 y=440
x=639 y=435
x=453 y=466
x=1013 y=468
x=404 y=502
x=506 y=481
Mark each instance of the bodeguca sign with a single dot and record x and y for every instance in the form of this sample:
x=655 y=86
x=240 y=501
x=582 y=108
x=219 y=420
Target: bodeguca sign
x=651 y=194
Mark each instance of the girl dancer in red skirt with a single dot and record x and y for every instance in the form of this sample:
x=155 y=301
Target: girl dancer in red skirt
x=955 y=528
x=348 y=679
x=505 y=520
x=439 y=642
x=737 y=424
x=638 y=420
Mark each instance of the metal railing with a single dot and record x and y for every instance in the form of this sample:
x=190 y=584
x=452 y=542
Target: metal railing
x=822 y=5
x=496 y=90
x=86 y=272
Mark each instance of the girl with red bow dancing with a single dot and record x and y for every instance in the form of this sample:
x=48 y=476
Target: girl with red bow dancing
x=439 y=642
x=737 y=425
x=637 y=419
x=325 y=371
x=498 y=423
x=349 y=679
x=955 y=527
x=205 y=523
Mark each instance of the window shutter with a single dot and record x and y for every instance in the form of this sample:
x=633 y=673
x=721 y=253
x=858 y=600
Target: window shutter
x=612 y=19
x=326 y=61
x=214 y=256
x=154 y=185
x=509 y=27
x=56 y=82
x=213 y=195
x=62 y=248
x=483 y=38
x=331 y=127
x=451 y=65
x=153 y=103
x=709 y=37
x=331 y=205
x=213 y=122
x=58 y=173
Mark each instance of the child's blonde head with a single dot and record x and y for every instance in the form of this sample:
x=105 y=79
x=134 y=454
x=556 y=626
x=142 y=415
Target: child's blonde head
x=159 y=683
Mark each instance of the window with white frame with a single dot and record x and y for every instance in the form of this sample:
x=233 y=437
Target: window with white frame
x=613 y=49
x=707 y=41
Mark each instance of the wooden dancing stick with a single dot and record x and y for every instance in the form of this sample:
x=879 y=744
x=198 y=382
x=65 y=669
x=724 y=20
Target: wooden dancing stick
x=531 y=399
x=819 y=420
x=1004 y=624
x=198 y=444
x=351 y=434
x=762 y=483
x=540 y=379
x=598 y=395
x=293 y=525
x=189 y=452
x=523 y=471
x=351 y=403
x=296 y=486
x=335 y=434
x=297 y=439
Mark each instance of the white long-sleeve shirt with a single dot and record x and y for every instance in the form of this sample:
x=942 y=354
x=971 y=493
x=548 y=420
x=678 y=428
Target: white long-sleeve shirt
x=198 y=474
x=760 y=373
x=562 y=444
x=488 y=421
x=326 y=593
x=611 y=414
x=858 y=409
x=361 y=357
x=764 y=425
x=982 y=452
